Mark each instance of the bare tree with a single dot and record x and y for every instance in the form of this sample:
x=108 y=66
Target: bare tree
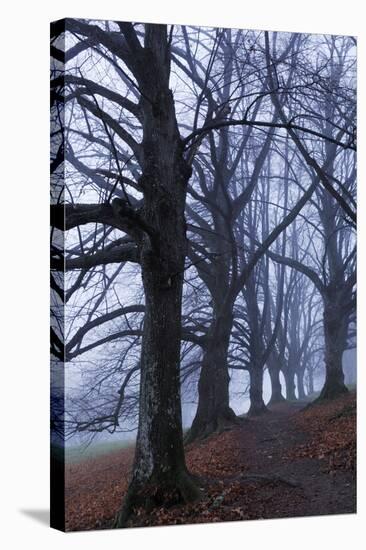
x=200 y=177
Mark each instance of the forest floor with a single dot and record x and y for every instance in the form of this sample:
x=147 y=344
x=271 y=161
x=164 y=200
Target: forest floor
x=293 y=461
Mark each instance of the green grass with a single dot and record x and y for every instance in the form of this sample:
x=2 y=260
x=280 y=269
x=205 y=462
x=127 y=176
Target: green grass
x=79 y=453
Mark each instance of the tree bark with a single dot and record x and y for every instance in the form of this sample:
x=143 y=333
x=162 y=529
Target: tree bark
x=290 y=384
x=257 y=406
x=213 y=411
x=310 y=381
x=300 y=384
x=159 y=472
x=335 y=339
x=276 y=387
x=256 y=349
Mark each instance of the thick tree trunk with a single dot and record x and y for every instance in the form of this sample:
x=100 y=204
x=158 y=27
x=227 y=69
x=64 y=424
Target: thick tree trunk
x=256 y=349
x=276 y=387
x=337 y=296
x=257 y=406
x=335 y=338
x=213 y=411
x=159 y=473
x=290 y=384
x=160 y=476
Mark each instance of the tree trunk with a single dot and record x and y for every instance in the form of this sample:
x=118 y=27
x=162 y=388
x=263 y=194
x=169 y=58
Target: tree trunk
x=335 y=338
x=213 y=411
x=257 y=406
x=159 y=473
x=310 y=382
x=290 y=385
x=300 y=384
x=276 y=387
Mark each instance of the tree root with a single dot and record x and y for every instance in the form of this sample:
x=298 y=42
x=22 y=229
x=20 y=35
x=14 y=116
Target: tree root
x=263 y=479
x=331 y=392
x=179 y=488
x=270 y=479
x=327 y=394
x=258 y=410
x=220 y=423
x=266 y=479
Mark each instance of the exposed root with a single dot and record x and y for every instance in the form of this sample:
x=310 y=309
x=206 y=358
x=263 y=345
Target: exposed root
x=330 y=391
x=270 y=479
x=222 y=421
x=258 y=410
x=177 y=489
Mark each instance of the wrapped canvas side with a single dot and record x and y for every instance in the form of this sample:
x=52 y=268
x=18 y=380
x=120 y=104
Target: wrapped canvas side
x=57 y=286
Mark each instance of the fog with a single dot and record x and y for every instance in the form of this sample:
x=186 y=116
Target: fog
x=249 y=176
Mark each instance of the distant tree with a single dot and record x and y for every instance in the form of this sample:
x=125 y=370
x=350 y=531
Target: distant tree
x=200 y=179
x=333 y=162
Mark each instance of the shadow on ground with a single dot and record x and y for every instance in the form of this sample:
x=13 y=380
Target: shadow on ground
x=42 y=516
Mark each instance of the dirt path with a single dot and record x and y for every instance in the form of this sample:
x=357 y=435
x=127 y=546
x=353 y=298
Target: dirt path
x=312 y=487
x=290 y=462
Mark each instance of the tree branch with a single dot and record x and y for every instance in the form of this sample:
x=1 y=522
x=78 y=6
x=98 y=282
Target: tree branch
x=79 y=335
x=117 y=254
x=298 y=266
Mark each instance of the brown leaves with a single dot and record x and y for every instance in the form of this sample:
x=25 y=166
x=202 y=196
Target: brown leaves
x=94 y=490
x=332 y=430
x=244 y=473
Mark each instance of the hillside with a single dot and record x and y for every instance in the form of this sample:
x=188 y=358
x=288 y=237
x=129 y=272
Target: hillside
x=294 y=461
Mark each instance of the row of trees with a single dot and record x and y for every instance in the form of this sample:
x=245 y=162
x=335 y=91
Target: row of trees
x=203 y=181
